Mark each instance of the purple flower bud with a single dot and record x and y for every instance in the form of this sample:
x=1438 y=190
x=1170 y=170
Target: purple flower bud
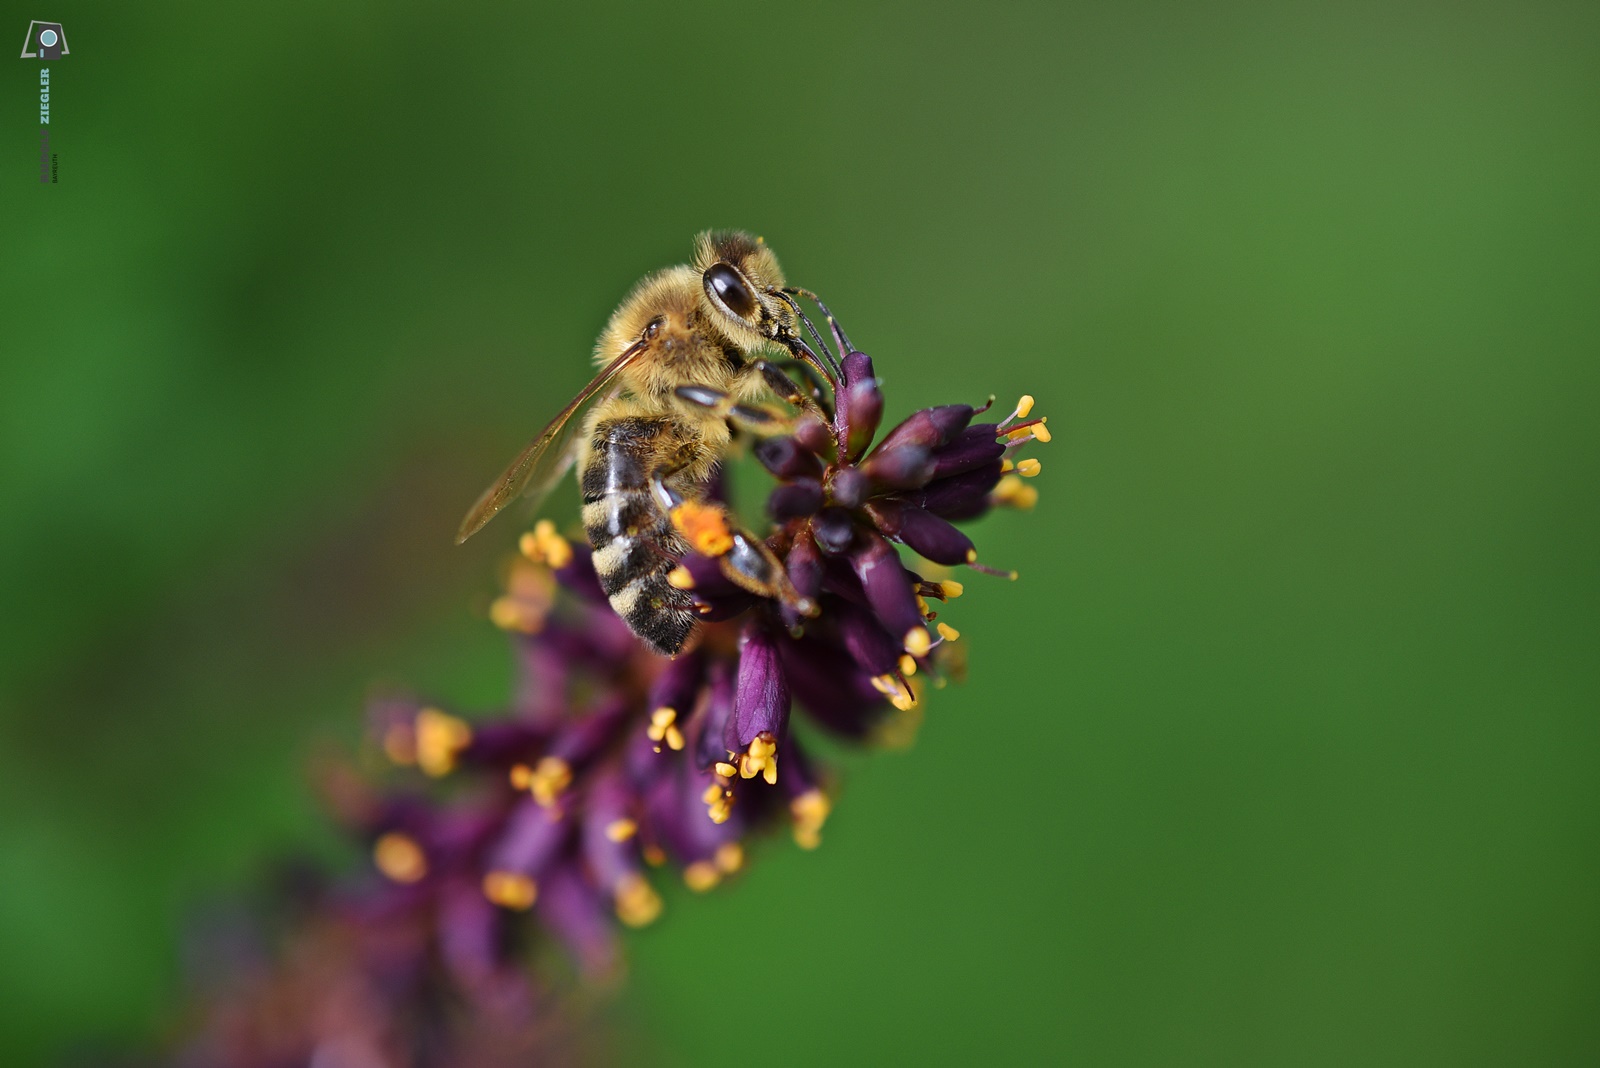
x=973 y=447
x=850 y=486
x=893 y=600
x=469 y=934
x=707 y=736
x=834 y=529
x=532 y=837
x=787 y=458
x=761 y=701
x=833 y=684
x=860 y=405
x=929 y=427
x=963 y=496
x=805 y=567
x=932 y=537
x=902 y=467
x=869 y=645
x=813 y=434
x=794 y=500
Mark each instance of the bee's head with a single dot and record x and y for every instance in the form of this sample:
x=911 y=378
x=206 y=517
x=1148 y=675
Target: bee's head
x=742 y=282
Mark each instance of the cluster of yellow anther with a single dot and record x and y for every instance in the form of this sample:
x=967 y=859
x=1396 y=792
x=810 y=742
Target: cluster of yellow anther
x=702 y=875
x=399 y=857
x=510 y=890
x=547 y=779
x=1012 y=492
x=637 y=902
x=620 y=830
x=664 y=729
x=530 y=594
x=718 y=797
x=760 y=759
x=543 y=545
x=437 y=739
x=705 y=527
x=810 y=811
x=898 y=692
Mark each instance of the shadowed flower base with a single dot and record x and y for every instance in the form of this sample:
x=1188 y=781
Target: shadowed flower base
x=556 y=818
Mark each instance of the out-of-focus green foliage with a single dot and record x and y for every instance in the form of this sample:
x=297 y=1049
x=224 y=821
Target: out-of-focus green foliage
x=1281 y=752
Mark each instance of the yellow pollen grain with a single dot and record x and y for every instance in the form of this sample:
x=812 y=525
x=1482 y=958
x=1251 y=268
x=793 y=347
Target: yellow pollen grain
x=439 y=738
x=701 y=876
x=399 y=857
x=510 y=890
x=948 y=633
x=917 y=641
x=664 y=728
x=952 y=589
x=679 y=578
x=704 y=526
x=1028 y=468
x=638 y=904
x=550 y=776
x=621 y=830
x=1024 y=406
x=908 y=666
x=521 y=776
x=729 y=857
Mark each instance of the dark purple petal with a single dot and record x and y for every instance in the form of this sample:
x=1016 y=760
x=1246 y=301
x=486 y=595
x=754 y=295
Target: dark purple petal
x=805 y=568
x=872 y=649
x=572 y=910
x=973 y=447
x=795 y=500
x=469 y=933
x=532 y=837
x=860 y=405
x=787 y=458
x=892 y=598
x=932 y=537
x=902 y=467
x=813 y=434
x=849 y=487
x=963 y=496
x=711 y=726
x=929 y=427
x=761 y=699
x=834 y=530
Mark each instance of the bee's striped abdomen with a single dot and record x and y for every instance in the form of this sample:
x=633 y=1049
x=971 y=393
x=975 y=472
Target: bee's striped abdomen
x=635 y=545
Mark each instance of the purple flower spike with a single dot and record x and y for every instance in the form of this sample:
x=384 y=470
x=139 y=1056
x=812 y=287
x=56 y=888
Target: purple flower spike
x=760 y=705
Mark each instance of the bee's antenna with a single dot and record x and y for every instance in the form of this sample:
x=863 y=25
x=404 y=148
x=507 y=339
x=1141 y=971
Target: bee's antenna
x=835 y=372
x=833 y=324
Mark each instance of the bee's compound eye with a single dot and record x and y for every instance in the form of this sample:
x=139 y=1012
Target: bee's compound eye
x=724 y=284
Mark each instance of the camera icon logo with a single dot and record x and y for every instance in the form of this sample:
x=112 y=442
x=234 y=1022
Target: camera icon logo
x=45 y=40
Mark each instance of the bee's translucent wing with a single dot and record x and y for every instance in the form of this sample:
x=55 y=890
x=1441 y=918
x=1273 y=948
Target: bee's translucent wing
x=540 y=466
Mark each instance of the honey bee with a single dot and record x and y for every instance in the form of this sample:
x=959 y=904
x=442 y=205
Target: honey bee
x=683 y=362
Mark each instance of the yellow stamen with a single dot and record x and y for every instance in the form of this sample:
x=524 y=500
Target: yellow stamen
x=705 y=527
x=664 y=728
x=1024 y=406
x=917 y=641
x=1028 y=468
x=638 y=904
x=922 y=606
x=948 y=633
x=1012 y=491
x=510 y=890
x=679 y=578
x=701 y=876
x=729 y=857
x=908 y=666
x=810 y=811
x=725 y=769
x=550 y=776
x=719 y=802
x=399 y=857
x=439 y=738
x=952 y=589
x=761 y=759
x=521 y=776
x=543 y=545
x=1006 y=467
x=400 y=744
x=621 y=830
x=896 y=691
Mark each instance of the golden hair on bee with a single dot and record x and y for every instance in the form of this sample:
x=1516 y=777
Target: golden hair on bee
x=752 y=313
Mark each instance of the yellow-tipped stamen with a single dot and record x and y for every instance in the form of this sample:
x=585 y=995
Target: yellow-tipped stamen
x=917 y=642
x=399 y=857
x=679 y=578
x=620 y=830
x=1012 y=491
x=543 y=545
x=550 y=776
x=510 y=890
x=439 y=738
x=729 y=857
x=521 y=776
x=718 y=801
x=1006 y=467
x=400 y=744
x=664 y=728
x=1028 y=468
x=761 y=759
x=1024 y=406
x=899 y=695
x=1041 y=433
x=701 y=876
x=704 y=526
x=725 y=769
x=638 y=904
x=810 y=811
x=908 y=666
x=948 y=633
x=953 y=589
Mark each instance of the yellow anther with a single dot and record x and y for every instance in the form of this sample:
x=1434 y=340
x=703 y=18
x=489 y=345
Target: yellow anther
x=664 y=728
x=543 y=545
x=896 y=691
x=1012 y=491
x=948 y=633
x=521 y=776
x=638 y=904
x=701 y=876
x=550 y=776
x=1006 y=467
x=917 y=641
x=439 y=738
x=725 y=769
x=908 y=666
x=1041 y=432
x=761 y=759
x=399 y=857
x=718 y=801
x=1028 y=468
x=679 y=578
x=510 y=890
x=1024 y=406
x=922 y=606
x=952 y=589
x=621 y=830
x=810 y=811
x=705 y=527
x=729 y=857
x=400 y=744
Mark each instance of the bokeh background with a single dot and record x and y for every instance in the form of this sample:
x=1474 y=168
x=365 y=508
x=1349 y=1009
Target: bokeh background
x=1283 y=751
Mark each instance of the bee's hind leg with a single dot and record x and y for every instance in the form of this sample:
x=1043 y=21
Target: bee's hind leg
x=752 y=417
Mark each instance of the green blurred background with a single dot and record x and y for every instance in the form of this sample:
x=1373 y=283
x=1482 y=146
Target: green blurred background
x=1283 y=751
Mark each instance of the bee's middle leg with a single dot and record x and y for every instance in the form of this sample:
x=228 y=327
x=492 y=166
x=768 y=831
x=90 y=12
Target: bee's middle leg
x=752 y=417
